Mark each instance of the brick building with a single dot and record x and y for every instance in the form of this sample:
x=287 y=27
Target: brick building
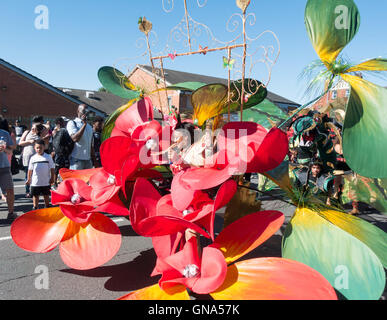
x=143 y=77
x=23 y=96
x=338 y=96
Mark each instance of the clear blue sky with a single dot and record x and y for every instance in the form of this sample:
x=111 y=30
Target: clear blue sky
x=88 y=34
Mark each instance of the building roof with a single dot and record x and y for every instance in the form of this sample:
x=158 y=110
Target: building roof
x=103 y=101
x=43 y=83
x=174 y=77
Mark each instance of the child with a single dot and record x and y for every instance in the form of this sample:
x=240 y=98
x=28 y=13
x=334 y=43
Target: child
x=41 y=171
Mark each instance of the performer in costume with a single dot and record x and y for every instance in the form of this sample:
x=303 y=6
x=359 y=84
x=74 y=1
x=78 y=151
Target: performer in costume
x=312 y=180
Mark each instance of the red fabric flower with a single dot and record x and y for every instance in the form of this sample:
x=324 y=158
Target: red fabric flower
x=74 y=198
x=137 y=115
x=82 y=246
x=256 y=149
x=242 y=147
x=152 y=215
x=257 y=279
x=200 y=274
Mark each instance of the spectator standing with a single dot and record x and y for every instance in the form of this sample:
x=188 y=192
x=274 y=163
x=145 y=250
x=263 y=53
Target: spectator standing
x=97 y=132
x=19 y=129
x=40 y=174
x=6 y=182
x=82 y=156
x=62 y=147
x=27 y=141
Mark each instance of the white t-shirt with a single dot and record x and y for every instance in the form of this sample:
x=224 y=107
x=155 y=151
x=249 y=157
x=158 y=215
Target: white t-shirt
x=41 y=166
x=82 y=148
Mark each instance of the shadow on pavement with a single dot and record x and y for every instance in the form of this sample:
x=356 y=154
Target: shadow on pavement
x=129 y=276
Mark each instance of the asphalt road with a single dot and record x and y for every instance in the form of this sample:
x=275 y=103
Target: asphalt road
x=21 y=271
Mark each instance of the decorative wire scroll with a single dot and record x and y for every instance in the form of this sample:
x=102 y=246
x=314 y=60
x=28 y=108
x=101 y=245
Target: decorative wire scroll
x=242 y=49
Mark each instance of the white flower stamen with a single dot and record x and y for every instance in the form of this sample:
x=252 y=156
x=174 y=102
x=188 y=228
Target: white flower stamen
x=150 y=144
x=111 y=179
x=191 y=271
x=76 y=198
x=185 y=212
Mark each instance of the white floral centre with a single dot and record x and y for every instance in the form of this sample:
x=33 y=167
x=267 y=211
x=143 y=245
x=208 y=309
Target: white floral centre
x=191 y=271
x=111 y=179
x=76 y=198
x=150 y=144
x=185 y=212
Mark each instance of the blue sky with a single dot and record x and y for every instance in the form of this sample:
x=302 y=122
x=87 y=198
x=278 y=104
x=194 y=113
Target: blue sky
x=85 y=35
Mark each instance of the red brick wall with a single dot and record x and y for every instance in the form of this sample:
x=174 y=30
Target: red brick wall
x=328 y=98
x=24 y=99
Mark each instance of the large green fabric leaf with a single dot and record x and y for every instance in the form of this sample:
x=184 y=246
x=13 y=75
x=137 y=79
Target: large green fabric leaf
x=188 y=86
x=116 y=83
x=212 y=100
x=254 y=90
x=372 y=236
x=365 y=128
x=367 y=190
x=206 y=102
x=331 y=25
x=347 y=263
x=378 y=64
x=264 y=111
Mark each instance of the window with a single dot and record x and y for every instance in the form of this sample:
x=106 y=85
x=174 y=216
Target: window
x=347 y=92
x=334 y=94
x=169 y=101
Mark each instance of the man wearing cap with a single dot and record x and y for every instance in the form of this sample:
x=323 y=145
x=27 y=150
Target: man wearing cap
x=82 y=156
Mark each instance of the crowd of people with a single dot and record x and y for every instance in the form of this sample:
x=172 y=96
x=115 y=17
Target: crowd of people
x=43 y=149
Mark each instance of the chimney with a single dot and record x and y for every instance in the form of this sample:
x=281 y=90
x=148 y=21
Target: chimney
x=89 y=94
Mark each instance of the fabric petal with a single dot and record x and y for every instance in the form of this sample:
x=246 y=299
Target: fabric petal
x=114 y=206
x=114 y=151
x=370 y=235
x=365 y=128
x=177 y=292
x=143 y=203
x=331 y=25
x=40 y=230
x=213 y=271
x=110 y=122
x=84 y=175
x=92 y=244
x=346 y=262
x=247 y=233
x=271 y=152
x=139 y=113
x=273 y=279
x=378 y=64
x=182 y=194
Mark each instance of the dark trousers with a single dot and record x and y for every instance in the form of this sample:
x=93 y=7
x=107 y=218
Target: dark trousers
x=26 y=176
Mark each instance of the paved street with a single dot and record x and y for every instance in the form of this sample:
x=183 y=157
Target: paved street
x=127 y=271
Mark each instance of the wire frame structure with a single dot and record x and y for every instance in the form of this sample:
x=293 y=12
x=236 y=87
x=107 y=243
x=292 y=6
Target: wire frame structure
x=241 y=54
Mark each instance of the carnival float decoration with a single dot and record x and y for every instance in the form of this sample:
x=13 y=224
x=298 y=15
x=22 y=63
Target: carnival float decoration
x=169 y=177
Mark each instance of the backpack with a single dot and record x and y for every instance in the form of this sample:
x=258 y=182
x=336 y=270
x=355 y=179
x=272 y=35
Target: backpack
x=14 y=165
x=63 y=144
x=69 y=144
